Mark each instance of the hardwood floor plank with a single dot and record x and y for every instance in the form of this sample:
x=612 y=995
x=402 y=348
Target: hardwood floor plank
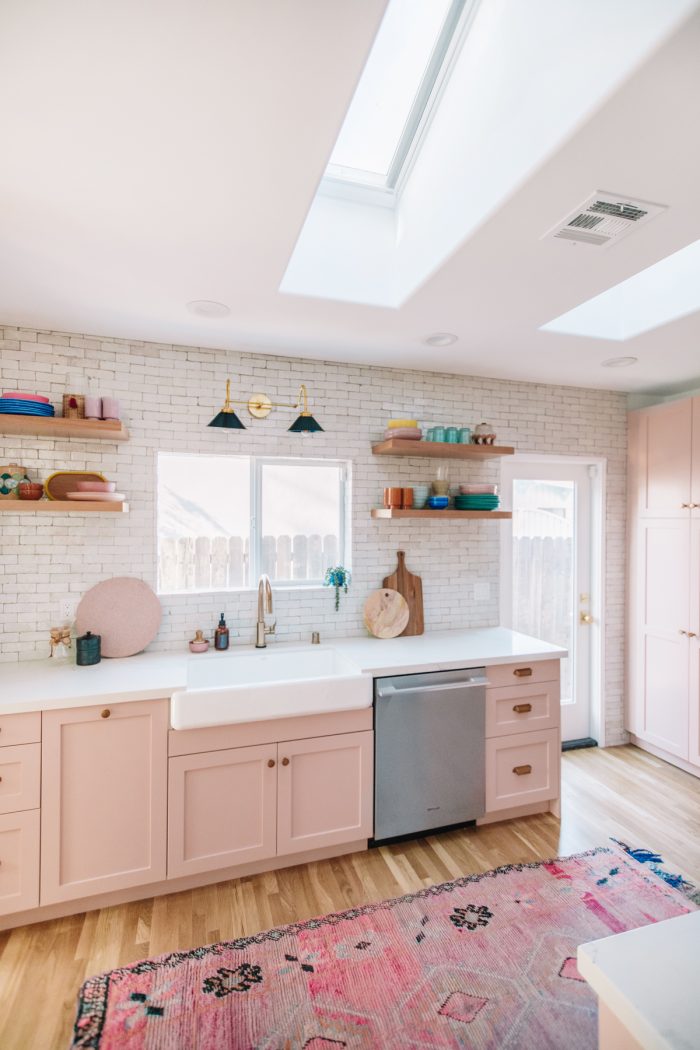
x=621 y=792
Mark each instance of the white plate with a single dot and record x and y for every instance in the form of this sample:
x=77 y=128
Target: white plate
x=97 y=497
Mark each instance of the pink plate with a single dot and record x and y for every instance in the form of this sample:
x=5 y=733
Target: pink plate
x=26 y=397
x=95 y=486
x=97 y=497
x=124 y=611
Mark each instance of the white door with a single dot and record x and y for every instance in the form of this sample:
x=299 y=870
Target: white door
x=546 y=588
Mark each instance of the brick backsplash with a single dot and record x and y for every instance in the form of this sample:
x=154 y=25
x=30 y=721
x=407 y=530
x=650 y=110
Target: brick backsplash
x=169 y=393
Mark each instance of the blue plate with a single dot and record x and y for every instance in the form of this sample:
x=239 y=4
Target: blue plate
x=24 y=412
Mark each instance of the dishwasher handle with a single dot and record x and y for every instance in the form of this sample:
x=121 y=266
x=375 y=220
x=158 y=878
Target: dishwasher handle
x=438 y=687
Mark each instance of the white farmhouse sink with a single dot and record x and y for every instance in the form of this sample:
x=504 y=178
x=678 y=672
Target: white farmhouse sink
x=256 y=686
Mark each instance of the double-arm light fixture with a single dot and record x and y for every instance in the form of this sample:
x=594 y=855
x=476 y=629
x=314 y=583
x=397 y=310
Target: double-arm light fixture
x=260 y=406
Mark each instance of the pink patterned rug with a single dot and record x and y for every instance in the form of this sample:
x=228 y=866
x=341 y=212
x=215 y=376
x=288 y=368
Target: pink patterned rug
x=487 y=961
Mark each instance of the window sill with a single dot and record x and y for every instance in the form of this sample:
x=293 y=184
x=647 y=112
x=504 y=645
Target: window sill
x=277 y=588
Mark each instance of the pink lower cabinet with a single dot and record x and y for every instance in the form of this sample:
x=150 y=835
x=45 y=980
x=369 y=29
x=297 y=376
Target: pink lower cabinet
x=104 y=797
x=325 y=791
x=19 y=861
x=222 y=809
x=521 y=769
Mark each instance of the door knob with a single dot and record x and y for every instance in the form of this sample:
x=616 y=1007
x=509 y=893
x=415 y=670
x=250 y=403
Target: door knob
x=285 y=761
x=271 y=763
x=691 y=634
x=585 y=617
x=106 y=713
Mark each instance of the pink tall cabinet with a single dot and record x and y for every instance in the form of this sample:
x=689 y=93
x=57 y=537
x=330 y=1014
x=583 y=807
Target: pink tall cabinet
x=663 y=652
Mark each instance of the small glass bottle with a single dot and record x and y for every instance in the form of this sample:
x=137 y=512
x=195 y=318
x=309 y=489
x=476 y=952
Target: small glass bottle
x=221 y=634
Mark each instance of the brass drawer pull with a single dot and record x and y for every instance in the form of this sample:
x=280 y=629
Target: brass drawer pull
x=106 y=713
x=271 y=763
x=523 y=672
x=522 y=709
x=521 y=771
x=285 y=761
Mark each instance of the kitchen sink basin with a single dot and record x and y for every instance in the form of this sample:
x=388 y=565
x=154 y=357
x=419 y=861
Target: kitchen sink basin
x=260 y=685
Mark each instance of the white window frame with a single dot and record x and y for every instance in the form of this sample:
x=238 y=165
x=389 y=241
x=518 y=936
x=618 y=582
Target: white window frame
x=255 y=550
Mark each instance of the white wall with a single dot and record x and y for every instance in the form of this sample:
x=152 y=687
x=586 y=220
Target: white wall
x=169 y=393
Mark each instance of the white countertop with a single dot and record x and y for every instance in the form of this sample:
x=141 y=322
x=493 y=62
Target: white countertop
x=44 y=684
x=650 y=979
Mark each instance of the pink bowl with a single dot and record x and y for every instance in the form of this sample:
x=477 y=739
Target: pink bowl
x=96 y=486
x=474 y=490
x=26 y=397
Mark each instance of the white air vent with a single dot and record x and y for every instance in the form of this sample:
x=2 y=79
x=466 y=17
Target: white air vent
x=604 y=218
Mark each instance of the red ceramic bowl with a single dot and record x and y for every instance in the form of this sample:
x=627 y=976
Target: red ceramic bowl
x=30 y=490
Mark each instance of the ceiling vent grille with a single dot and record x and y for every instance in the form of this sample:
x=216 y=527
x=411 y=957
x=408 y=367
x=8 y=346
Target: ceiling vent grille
x=603 y=219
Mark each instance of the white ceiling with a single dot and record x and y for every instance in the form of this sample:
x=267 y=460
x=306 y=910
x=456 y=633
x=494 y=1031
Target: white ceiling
x=152 y=154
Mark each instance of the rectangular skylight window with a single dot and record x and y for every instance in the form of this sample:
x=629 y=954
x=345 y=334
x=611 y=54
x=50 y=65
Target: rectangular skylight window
x=399 y=77
x=664 y=292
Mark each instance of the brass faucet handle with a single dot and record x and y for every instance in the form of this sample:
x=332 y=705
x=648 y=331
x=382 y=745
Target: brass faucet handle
x=270 y=629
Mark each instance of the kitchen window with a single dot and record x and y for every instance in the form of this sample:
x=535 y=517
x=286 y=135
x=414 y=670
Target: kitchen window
x=223 y=520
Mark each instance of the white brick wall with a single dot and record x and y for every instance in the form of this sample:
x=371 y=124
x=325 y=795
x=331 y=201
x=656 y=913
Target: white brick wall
x=169 y=393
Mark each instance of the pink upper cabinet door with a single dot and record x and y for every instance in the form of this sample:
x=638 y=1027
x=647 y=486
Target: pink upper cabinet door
x=325 y=791
x=663 y=459
x=222 y=809
x=104 y=795
x=695 y=459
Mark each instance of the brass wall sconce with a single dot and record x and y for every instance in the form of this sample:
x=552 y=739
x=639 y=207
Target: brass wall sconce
x=260 y=406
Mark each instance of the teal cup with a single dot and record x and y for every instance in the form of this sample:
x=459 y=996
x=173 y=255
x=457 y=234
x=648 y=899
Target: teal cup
x=438 y=433
x=465 y=435
x=452 y=435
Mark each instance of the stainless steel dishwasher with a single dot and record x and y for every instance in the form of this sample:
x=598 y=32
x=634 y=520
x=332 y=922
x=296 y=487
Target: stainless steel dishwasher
x=429 y=743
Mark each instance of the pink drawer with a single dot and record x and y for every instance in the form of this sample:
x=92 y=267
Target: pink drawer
x=520 y=674
x=522 y=768
x=522 y=708
x=19 y=861
x=20 y=729
x=20 y=777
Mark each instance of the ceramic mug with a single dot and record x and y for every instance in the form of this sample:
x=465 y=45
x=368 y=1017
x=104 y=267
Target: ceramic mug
x=452 y=435
x=438 y=433
x=110 y=408
x=420 y=496
x=465 y=435
x=393 y=498
x=407 y=498
x=93 y=407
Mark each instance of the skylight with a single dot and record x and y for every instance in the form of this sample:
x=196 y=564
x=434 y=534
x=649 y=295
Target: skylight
x=664 y=292
x=399 y=78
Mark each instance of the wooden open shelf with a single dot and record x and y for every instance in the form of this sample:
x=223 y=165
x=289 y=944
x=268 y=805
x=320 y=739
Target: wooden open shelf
x=452 y=515
x=58 y=426
x=62 y=506
x=439 y=449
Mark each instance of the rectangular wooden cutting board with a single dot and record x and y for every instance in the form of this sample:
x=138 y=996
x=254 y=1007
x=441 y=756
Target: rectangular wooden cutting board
x=410 y=586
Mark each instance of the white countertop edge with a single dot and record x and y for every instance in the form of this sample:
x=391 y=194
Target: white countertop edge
x=617 y=1002
x=44 y=685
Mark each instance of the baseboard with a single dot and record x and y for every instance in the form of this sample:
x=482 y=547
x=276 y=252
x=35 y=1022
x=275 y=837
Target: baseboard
x=576 y=745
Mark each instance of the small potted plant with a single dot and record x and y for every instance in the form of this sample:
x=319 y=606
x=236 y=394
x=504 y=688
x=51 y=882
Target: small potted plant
x=337 y=577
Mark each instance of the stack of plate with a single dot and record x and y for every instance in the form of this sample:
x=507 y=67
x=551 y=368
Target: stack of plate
x=14 y=404
x=477 y=501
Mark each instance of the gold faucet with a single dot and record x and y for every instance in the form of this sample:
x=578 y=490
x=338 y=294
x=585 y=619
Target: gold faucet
x=264 y=597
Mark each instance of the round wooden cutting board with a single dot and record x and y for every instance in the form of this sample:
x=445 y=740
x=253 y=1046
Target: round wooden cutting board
x=386 y=613
x=124 y=611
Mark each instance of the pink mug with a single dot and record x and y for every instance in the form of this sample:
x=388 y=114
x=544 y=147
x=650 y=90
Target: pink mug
x=110 y=408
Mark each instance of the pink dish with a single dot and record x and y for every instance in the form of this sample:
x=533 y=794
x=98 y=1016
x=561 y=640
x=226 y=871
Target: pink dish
x=26 y=397
x=97 y=497
x=96 y=486
x=474 y=490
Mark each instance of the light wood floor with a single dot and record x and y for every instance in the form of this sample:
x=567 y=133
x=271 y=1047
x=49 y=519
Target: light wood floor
x=622 y=792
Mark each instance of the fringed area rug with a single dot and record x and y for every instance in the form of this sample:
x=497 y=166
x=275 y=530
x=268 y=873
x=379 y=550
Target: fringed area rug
x=487 y=961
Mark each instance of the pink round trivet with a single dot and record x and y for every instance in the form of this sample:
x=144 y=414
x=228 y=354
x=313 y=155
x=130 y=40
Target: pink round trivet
x=124 y=611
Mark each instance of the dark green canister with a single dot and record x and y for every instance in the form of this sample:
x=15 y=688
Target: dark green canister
x=87 y=649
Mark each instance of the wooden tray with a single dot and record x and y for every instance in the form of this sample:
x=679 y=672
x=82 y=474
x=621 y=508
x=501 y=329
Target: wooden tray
x=61 y=482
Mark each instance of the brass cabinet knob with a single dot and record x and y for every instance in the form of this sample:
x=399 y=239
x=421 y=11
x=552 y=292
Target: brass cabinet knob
x=691 y=634
x=522 y=709
x=686 y=506
x=521 y=771
x=523 y=672
x=285 y=761
x=585 y=617
x=106 y=713
x=271 y=763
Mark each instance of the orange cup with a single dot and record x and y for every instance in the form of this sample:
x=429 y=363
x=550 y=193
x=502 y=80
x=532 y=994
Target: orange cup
x=406 y=498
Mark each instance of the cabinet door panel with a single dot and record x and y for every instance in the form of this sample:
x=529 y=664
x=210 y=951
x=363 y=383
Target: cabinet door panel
x=694 y=646
x=695 y=458
x=20 y=777
x=521 y=769
x=324 y=791
x=104 y=795
x=19 y=861
x=664 y=462
x=222 y=809
x=661 y=679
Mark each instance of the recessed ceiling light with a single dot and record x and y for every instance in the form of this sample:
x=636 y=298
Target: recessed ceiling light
x=440 y=339
x=619 y=362
x=208 y=308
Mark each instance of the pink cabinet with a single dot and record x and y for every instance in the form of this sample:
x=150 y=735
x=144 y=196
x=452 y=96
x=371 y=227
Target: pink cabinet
x=521 y=769
x=659 y=635
x=20 y=777
x=325 y=791
x=104 y=794
x=222 y=809
x=661 y=458
x=19 y=861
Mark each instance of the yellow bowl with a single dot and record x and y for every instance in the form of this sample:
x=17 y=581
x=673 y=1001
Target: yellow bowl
x=398 y=424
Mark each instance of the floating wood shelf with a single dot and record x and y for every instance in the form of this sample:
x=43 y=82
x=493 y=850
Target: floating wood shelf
x=62 y=506
x=452 y=515
x=58 y=426
x=439 y=449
